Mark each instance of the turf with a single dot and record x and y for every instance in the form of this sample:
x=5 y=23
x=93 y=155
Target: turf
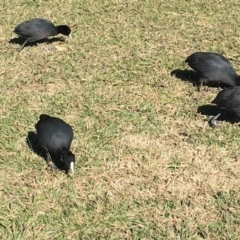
x=148 y=164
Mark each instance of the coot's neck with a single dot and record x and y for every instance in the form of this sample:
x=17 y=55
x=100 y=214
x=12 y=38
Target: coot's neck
x=63 y=29
x=238 y=80
x=64 y=152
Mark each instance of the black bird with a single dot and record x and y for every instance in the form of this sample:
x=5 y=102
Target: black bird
x=56 y=137
x=38 y=29
x=213 y=67
x=229 y=99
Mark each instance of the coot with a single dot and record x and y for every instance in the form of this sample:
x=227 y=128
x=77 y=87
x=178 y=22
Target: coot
x=38 y=29
x=213 y=67
x=229 y=99
x=56 y=137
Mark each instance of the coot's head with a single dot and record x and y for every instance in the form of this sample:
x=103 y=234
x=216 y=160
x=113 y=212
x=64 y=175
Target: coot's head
x=68 y=159
x=64 y=29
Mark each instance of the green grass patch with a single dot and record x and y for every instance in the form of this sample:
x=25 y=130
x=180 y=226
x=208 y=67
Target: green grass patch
x=148 y=165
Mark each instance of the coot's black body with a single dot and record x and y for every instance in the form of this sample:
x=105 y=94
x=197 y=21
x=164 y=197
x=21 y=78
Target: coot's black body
x=38 y=29
x=56 y=137
x=229 y=99
x=213 y=67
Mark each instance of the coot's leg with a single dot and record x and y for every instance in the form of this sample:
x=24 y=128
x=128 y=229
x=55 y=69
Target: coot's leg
x=201 y=81
x=20 y=49
x=213 y=120
x=200 y=85
x=49 y=159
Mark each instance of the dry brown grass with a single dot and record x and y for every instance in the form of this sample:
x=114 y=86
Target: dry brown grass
x=148 y=164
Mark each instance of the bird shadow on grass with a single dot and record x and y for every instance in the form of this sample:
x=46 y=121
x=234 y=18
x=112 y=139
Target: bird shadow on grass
x=20 y=41
x=211 y=110
x=33 y=144
x=193 y=77
x=186 y=75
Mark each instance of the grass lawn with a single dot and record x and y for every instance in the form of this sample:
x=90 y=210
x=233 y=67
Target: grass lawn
x=148 y=165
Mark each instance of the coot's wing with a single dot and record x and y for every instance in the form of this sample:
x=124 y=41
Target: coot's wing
x=35 y=29
x=228 y=98
x=54 y=133
x=233 y=100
